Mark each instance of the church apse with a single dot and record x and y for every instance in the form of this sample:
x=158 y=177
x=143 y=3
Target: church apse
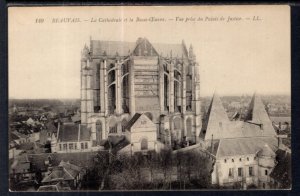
x=126 y=78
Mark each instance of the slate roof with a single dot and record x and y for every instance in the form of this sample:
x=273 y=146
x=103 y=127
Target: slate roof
x=216 y=114
x=70 y=132
x=282 y=171
x=257 y=113
x=244 y=146
x=132 y=121
x=217 y=122
x=111 y=48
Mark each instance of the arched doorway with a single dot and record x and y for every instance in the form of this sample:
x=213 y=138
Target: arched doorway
x=144 y=144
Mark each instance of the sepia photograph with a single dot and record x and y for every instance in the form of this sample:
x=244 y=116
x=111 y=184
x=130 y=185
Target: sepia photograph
x=147 y=98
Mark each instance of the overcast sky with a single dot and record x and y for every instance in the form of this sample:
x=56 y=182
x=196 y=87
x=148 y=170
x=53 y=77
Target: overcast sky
x=235 y=57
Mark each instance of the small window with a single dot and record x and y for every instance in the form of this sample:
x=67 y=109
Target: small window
x=65 y=146
x=232 y=160
x=264 y=186
x=240 y=171
x=71 y=146
x=143 y=122
x=225 y=160
x=60 y=147
x=266 y=172
x=230 y=174
x=250 y=171
x=75 y=146
x=247 y=158
x=86 y=145
x=240 y=159
x=82 y=146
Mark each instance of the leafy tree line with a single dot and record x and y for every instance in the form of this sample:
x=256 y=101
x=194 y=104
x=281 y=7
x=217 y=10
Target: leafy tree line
x=164 y=171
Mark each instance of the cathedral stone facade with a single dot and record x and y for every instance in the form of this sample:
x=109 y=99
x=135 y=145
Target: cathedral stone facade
x=120 y=79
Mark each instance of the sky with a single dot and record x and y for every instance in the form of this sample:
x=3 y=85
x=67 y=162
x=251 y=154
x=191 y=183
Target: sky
x=235 y=57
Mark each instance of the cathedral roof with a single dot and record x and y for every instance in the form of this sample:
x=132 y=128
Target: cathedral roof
x=121 y=48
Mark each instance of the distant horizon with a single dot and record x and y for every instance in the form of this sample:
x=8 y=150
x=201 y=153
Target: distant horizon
x=221 y=95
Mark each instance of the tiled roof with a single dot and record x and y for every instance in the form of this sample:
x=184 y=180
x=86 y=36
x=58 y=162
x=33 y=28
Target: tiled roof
x=244 y=146
x=111 y=48
x=282 y=171
x=69 y=132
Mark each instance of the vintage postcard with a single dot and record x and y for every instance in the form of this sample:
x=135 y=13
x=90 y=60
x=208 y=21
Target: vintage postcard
x=139 y=98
